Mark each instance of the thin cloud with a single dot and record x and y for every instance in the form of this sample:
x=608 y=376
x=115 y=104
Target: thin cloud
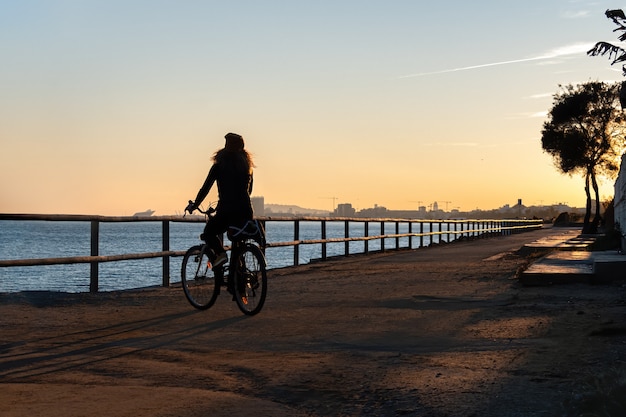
x=563 y=51
x=452 y=144
x=541 y=95
x=575 y=15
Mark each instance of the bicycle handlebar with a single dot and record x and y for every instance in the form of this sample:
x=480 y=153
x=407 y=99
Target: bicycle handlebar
x=190 y=209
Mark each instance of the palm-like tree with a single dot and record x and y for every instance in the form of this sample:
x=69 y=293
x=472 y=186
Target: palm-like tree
x=616 y=53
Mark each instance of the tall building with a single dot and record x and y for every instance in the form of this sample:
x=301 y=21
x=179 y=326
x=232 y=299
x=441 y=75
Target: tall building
x=258 y=205
x=345 y=210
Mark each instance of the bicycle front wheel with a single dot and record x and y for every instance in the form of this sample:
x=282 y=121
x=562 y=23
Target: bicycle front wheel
x=250 y=279
x=198 y=280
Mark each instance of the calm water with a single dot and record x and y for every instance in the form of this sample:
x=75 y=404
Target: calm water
x=41 y=239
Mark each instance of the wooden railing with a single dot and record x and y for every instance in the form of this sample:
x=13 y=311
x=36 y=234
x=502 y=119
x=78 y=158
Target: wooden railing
x=450 y=229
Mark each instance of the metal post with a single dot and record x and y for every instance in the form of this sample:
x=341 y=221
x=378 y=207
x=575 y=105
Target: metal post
x=440 y=231
x=324 y=238
x=95 y=238
x=346 y=229
x=296 y=247
x=166 y=248
x=382 y=239
x=397 y=233
x=366 y=233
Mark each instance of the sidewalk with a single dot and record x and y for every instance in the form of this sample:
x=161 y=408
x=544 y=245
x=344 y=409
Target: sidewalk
x=568 y=261
x=441 y=331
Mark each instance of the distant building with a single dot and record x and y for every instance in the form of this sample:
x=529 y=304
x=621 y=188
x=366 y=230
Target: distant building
x=377 y=211
x=345 y=210
x=258 y=205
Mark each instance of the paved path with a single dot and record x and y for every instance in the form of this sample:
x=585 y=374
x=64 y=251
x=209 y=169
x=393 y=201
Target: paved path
x=442 y=331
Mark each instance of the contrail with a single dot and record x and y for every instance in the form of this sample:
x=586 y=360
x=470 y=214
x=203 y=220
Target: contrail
x=555 y=53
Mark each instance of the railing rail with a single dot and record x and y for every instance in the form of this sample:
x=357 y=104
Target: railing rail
x=454 y=228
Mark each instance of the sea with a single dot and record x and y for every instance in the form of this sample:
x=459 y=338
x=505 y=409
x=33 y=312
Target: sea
x=26 y=239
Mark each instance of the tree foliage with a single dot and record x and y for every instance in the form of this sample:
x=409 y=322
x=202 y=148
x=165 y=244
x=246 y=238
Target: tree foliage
x=584 y=134
x=616 y=53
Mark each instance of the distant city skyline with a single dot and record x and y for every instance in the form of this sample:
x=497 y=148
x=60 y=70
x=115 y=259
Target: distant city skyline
x=434 y=207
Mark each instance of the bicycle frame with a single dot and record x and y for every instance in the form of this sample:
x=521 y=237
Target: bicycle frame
x=244 y=275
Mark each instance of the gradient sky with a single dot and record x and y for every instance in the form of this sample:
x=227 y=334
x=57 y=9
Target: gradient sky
x=112 y=107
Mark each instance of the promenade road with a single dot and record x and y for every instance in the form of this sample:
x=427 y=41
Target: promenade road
x=440 y=331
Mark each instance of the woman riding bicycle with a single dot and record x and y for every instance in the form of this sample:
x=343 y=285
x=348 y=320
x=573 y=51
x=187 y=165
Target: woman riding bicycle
x=232 y=170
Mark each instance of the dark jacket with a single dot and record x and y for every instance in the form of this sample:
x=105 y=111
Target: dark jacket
x=234 y=179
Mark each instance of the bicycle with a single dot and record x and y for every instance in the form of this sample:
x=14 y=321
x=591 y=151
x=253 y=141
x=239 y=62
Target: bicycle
x=244 y=275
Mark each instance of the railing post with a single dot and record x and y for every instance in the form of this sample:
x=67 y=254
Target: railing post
x=95 y=238
x=296 y=247
x=382 y=234
x=366 y=231
x=166 y=248
x=421 y=234
x=324 y=238
x=346 y=230
x=440 y=231
x=397 y=233
x=410 y=233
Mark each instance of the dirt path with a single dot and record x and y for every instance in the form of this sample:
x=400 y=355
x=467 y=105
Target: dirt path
x=443 y=331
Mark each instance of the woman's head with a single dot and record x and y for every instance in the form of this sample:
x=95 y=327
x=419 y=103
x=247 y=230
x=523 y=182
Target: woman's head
x=234 y=142
x=234 y=153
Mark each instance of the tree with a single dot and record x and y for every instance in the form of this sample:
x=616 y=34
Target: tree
x=616 y=53
x=585 y=134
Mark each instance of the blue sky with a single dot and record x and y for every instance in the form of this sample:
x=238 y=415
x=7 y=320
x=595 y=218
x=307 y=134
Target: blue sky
x=111 y=107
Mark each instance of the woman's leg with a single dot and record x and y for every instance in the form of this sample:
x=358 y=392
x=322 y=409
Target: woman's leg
x=214 y=228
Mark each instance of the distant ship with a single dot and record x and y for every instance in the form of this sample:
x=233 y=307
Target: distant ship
x=144 y=213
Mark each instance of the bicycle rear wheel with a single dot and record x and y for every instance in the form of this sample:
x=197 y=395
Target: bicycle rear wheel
x=198 y=280
x=250 y=279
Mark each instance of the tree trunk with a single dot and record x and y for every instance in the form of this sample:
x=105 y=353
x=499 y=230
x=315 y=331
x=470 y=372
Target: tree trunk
x=597 y=218
x=587 y=223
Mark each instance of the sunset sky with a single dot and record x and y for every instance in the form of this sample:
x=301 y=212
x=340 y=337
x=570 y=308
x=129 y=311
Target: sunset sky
x=112 y=107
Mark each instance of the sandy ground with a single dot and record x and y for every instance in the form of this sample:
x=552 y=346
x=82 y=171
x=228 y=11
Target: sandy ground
x=442 y=331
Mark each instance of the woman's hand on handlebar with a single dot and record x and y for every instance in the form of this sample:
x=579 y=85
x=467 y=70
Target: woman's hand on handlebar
x=191 y=206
